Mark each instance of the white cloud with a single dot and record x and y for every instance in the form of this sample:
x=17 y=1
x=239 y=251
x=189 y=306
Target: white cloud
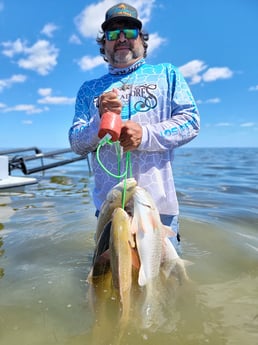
x=89 y=21
x=41 y=57
x=223 y=124
x=74 y=39
x=49 y=29
x=16 y=78
x=192 y=70
x=13 y=48
x=155 y=41
x=247 y=124
x=213 y=100
x=45 y=91
x=144 y=8
x=56 y=100
x=27 y=122
x=49 y=99
x=215 y=73
x=27 y=108
x=253 y=88
x=209 y=101
x=87 y=62
x=195 y=71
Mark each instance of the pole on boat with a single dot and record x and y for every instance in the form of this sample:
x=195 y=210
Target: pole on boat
x=19 y=160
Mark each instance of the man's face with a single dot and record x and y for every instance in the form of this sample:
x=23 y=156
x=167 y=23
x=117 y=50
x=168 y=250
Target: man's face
x=122 y=50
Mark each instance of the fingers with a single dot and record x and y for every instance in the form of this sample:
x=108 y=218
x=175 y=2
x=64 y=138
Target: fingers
x=109 y=102
x=131 y=135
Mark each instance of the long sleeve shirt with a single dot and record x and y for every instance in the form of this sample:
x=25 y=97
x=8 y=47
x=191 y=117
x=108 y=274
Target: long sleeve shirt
x=159 y=99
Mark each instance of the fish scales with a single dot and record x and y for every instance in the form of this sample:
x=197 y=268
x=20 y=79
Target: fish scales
x=121 y=259
x=150 y=233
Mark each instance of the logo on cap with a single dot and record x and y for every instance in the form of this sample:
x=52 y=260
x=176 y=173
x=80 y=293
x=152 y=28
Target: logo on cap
x=121 y=10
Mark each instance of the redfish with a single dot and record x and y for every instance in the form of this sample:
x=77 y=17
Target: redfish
x=113 y=200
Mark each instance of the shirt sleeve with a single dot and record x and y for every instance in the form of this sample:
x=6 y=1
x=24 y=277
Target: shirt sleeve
x=83 y=134
x=183 y=123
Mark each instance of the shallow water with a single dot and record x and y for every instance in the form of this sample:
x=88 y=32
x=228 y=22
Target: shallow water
x=46 y=245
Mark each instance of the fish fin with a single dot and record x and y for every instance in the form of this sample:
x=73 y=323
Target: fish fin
x=181 y=271
x=134 y=225
x=167 y=231
x=187 y=262
x=131 y=240
x=135 y=259
x=131 y=237
x=153 y=221
x=142 y=277
x=89 y=277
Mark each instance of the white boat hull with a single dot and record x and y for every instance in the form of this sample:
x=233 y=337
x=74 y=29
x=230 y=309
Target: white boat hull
x=14 y=182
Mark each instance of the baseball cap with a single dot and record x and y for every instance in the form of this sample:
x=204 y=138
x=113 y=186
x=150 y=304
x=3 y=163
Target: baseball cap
x=121 y=12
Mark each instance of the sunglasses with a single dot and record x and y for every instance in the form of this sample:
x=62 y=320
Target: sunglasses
x=113 y=35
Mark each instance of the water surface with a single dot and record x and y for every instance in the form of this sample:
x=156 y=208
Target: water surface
x=47 y=240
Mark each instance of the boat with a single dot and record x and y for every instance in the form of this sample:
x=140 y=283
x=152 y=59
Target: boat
x=12 y=182
x=18 y=159
x=16 y=182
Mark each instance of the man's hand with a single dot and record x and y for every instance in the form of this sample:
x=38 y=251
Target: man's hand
x=109 y=102
x=131 y=135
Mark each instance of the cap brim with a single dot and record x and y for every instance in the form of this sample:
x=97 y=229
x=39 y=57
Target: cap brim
x=110 y=21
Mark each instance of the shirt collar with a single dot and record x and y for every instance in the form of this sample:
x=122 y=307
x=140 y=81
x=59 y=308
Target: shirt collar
x=126 y=70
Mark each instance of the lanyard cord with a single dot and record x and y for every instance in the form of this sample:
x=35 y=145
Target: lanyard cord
x=128 y=164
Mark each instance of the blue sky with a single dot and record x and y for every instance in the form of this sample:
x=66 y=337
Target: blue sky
x=48 y=49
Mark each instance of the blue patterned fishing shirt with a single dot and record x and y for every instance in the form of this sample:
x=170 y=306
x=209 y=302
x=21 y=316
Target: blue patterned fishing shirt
x=159 y=99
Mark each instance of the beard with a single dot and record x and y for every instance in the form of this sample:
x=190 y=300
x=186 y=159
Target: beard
x=124 y=57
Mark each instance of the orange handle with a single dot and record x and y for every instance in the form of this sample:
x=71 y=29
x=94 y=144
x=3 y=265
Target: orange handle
x=110 y=123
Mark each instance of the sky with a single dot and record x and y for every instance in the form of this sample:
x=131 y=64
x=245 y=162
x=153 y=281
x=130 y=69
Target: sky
x=48 y=49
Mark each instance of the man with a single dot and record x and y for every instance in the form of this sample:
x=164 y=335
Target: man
x=157 y=108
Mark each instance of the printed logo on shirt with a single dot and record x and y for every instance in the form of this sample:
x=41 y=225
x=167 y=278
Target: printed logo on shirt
x=137 y=98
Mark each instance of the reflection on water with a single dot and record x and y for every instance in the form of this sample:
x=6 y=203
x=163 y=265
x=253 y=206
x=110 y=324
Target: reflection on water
x=47 y=240
x=1 y=253
x=6 y=212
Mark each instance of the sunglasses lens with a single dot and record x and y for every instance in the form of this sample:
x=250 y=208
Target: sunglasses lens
x=131 y=33
x=113 y=35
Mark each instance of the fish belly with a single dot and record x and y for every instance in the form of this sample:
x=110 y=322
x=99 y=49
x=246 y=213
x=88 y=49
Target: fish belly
x=149 y=246
x=121 y=259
